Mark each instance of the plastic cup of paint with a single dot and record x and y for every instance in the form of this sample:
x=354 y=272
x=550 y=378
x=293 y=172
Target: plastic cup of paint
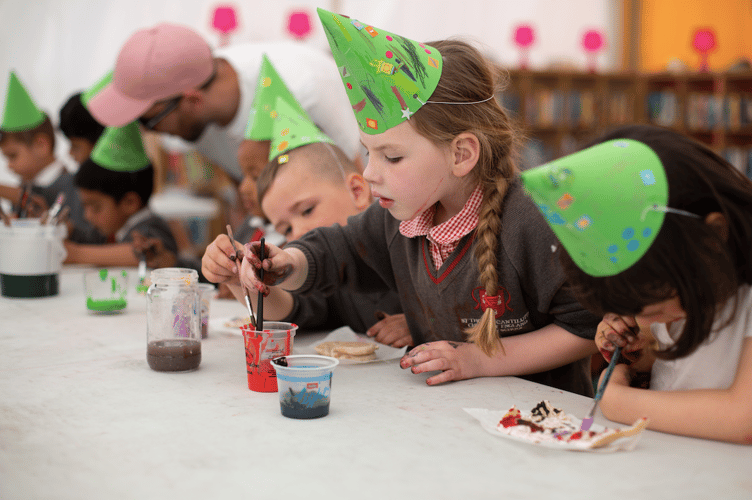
x=106 y=290
x=261 y=347
x=304 y=384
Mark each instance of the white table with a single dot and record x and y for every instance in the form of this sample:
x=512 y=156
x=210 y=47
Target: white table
x=83 y=417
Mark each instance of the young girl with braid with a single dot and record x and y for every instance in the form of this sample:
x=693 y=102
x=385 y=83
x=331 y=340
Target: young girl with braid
x=452 y=232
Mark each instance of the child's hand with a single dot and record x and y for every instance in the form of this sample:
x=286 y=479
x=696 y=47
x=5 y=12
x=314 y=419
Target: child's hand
x=454 y=359
x=278 y=265
x=219 y=261
x=153 y=251
x=623 y=331
x=391 y=330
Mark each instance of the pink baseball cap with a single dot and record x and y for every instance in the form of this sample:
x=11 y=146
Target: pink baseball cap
x=154 y=64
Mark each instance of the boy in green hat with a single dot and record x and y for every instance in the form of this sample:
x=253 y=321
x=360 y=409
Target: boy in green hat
x=115 y=184
x=27 y=140
x=307 y=183
x=77 y=124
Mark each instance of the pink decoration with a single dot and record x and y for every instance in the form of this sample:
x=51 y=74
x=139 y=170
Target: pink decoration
x=593 y=41
x=524 y=37
x=299 y=24
x=225 y=21
x=703 y=42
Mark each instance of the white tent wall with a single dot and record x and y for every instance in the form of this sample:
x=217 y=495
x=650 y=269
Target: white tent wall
x=59 y=47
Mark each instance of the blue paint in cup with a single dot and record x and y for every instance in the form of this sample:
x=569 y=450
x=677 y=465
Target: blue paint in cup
x=304 y=384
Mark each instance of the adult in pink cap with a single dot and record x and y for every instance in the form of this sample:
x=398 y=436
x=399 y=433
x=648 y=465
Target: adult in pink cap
x=168 y=77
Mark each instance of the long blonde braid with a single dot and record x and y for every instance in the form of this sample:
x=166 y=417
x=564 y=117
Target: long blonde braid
x=467 y=76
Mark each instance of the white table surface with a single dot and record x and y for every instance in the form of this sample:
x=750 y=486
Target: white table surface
x=82 y=416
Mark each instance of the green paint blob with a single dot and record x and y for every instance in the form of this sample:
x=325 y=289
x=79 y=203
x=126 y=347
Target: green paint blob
x=106 y=305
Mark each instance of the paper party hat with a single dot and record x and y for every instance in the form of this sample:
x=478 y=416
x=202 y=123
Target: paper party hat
x=121 y=149
x=387 y=77
x=606 y=203
x=292 y=129
x=270 y=86
x=21 y=113
x=87 y=94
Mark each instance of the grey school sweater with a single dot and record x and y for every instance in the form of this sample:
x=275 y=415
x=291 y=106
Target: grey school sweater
x=369 y=254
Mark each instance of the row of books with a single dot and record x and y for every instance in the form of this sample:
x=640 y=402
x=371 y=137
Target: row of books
x=740 y=157
x=573 y=108
x=703 y=111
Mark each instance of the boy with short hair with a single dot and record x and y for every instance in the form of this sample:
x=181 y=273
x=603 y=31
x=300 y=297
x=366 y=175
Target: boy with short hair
x=27 y=140
x=115 y=184
x=309 y=182
x=77 y=124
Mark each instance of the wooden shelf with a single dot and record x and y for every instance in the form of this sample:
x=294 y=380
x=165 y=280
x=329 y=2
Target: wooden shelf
x=561 y=111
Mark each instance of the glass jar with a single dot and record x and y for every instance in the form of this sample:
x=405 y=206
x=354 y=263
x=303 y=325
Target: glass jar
x=173 y=320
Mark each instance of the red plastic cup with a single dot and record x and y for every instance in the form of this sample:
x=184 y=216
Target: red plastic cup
x=260 y=347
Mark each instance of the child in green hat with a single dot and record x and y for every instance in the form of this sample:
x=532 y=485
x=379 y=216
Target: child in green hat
x=77 y=124
x=657 y=231
x=309 y=182
x=27 y=140
x=115 y=184
x=452 y=234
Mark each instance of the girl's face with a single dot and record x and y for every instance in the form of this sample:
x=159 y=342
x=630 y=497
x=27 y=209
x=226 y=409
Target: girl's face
x=666 y=311
x=408 y=173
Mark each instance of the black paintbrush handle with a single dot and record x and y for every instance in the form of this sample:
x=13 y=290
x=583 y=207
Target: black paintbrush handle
x=260 y=308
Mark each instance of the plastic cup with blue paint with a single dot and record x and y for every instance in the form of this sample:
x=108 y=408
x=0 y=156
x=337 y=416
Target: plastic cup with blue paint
x=106 y=290
x=304 y=384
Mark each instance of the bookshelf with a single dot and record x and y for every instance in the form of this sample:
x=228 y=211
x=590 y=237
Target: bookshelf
x=560 y=111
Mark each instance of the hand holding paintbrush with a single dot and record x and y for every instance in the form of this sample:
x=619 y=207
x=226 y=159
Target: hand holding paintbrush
x=237 y=260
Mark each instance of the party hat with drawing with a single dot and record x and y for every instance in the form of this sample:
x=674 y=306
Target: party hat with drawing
x=387 y=77
x=87 y=94
x=292 y=129
x=269 y=87
x=121 y=149
x=606 y=204
x=21 y=113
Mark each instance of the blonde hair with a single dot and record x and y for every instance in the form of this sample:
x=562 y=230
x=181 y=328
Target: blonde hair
x=325 y=160
x=467 y=76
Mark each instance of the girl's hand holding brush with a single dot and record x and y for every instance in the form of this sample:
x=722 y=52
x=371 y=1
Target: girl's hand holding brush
x=286 y=268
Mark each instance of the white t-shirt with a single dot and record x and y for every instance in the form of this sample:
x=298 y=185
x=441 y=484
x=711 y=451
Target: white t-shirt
x=311 y=75
x=714 y=364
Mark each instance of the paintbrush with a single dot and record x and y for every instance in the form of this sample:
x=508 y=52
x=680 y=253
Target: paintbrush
x=55 y=208
x=4 y=216
x=245 y=290
x=260 y=317
x=588 y=421
x=25 y=192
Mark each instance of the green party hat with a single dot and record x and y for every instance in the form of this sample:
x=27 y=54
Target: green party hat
x=121 y=149
x=292 y=129
x=387 y=77
x=87 y=94
x=21 y=113
x=606 y=204
x=269 y=87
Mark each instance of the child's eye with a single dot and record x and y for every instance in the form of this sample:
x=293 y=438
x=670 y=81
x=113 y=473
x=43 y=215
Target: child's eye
x=393 y=160
x=307 y=211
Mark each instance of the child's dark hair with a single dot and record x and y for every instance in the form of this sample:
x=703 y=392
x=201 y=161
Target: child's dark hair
x=94 y=177
x=702 y=264
x=467 y=76
x=76 y=121
x=27 y=136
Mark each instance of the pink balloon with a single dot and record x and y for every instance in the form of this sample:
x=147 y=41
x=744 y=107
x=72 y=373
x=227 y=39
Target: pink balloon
x=593 y=40
x=224 y=20
x=524 y=35
x=299 y=24
x=704 y=40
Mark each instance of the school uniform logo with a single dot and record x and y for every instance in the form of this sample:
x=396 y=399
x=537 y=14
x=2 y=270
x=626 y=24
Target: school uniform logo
x=499 y=302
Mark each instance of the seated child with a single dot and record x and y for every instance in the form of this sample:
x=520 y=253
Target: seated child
x=657 y=230
x=27 y=140
x=77 y=124
x=115 y=185
x=452 y=234
x=304 y=186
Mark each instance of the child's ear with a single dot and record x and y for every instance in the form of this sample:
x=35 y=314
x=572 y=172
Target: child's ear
x=360 y=192
x=130 y=203
x=719 y=224
x=465 y=149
